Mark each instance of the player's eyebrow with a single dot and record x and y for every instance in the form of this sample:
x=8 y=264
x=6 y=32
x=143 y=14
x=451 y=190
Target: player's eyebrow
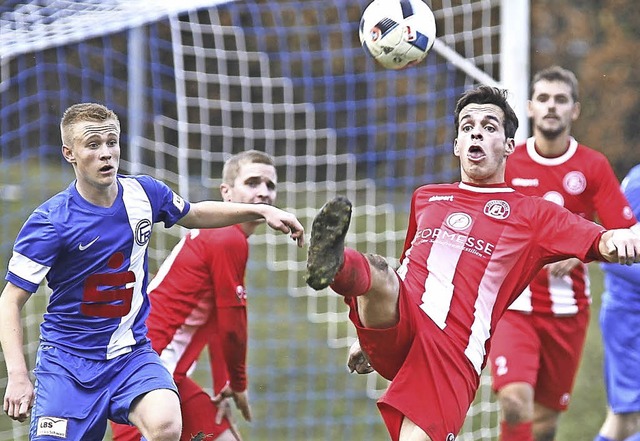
x=484 y=117
x=492 y=118
x=258 y=178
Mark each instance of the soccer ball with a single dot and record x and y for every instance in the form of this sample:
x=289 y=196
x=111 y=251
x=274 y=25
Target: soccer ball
x=397 y=33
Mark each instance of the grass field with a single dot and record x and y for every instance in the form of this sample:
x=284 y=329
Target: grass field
x=588 y=404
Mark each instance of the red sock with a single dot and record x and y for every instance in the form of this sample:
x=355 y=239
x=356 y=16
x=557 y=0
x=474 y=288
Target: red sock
x=517 y=432
x=354 y=278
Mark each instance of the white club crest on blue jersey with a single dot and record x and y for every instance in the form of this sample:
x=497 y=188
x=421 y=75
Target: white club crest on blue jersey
x=143 y=232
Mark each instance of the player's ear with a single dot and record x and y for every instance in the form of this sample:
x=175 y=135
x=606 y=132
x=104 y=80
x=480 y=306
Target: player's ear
x=576 y=111
x=510 y=146
x=225 y=191
x=68 y=155
x=456 y=149
x=530 y=109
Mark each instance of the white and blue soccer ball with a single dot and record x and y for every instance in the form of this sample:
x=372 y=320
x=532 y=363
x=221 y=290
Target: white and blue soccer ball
x=397 y=33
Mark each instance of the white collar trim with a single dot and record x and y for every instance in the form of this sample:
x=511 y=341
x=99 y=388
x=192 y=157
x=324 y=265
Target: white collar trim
x=536 y=157
x=475 y=189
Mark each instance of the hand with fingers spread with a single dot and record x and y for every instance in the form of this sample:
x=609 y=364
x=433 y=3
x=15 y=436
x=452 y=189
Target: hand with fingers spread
x=285 y=222
x=241 y=400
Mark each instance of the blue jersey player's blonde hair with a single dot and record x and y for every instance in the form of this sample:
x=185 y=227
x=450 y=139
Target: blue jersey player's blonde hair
x=84 y=112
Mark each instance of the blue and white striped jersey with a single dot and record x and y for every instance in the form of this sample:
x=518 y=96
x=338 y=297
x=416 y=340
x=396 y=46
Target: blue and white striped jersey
x=95 y=262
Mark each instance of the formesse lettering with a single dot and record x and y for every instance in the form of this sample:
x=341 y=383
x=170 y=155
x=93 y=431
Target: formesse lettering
x=468 y=243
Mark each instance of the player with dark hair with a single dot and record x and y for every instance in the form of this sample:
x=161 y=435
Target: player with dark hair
x=620 y=326
x=537 y=345
x=198 y=298
x=90 y=242
x=471 y=248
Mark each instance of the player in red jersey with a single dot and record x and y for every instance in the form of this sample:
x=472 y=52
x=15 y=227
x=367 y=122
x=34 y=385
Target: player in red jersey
x=198 y=299
x=537 y=345
x=470 y=250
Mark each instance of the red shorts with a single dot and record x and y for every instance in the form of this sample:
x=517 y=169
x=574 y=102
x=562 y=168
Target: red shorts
x=198 y=415
x=433 y=382
x=541 y=350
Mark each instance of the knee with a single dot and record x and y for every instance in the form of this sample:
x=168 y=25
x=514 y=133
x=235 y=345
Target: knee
x=382 y=275
x=624 y=426
x=379 y=263
x=515 y=408
x=544 y=432
x=169 y=429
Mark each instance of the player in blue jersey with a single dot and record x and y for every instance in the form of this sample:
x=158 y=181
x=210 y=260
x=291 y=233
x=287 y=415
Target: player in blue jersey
x=90 y=241
x=620 y=326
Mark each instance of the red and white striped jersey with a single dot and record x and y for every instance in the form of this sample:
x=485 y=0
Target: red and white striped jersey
x=582 y=181
x=199 y=289
x=470 y=251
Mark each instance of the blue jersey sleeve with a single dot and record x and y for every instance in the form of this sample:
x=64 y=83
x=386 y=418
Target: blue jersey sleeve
x=34 y=252
x=168 y=207
x=622 y=283
x=631 y=188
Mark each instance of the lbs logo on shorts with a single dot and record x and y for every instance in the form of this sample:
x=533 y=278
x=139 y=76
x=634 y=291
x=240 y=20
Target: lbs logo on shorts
x=50 y=426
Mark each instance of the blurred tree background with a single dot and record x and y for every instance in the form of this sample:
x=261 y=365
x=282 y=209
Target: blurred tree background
x=600 y=41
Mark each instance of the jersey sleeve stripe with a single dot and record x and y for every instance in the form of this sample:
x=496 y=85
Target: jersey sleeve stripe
x=24 y=269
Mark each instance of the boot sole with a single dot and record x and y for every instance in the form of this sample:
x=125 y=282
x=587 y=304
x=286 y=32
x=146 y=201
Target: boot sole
x=326 y=247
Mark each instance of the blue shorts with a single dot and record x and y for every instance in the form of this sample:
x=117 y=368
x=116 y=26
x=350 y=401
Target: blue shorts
x=621 y=338
x=74 y=396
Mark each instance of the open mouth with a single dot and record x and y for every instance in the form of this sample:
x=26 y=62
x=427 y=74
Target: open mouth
x=106 y=169
x=475 y=153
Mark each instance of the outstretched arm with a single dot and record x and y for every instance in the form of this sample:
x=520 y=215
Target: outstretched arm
x=216 y=214
x=622 y=246
x=18 y=397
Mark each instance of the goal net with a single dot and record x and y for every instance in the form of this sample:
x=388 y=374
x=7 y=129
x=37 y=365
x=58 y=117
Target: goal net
x=196 y=81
